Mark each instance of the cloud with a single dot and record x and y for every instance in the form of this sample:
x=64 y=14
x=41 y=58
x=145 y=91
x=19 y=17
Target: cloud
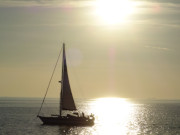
x=153 y=6
x=55 y=3
x=163 y=1
x=158 y=48
x=163 y=13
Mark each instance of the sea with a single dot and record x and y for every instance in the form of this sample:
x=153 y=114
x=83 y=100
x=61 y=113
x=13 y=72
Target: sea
x=113 y=116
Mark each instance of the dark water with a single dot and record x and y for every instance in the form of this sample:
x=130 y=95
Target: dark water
x=114 y=116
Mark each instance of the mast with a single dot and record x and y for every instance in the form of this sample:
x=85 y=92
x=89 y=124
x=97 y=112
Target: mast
x=66 y=97
x=62 y=79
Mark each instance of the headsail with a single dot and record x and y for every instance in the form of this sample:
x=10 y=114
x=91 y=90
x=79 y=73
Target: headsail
x=67 y=101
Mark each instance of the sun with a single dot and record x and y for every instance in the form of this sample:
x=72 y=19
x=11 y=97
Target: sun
x=114 y=11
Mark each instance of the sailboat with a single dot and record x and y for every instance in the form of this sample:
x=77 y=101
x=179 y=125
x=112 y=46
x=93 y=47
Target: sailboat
x=74 y=118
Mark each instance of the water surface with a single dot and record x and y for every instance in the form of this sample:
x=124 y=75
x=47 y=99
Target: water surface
x=114 y=116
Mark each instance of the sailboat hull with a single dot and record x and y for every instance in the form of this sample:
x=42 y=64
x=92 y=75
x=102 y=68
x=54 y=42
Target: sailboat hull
x=65 y=120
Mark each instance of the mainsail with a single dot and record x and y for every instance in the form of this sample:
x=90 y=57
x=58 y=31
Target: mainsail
x=67 y=101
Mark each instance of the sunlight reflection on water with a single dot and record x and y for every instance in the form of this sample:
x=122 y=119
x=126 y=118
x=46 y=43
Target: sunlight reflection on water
x=113 y=115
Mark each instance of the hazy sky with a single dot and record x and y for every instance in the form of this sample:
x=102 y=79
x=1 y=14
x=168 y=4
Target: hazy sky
x=137 y=56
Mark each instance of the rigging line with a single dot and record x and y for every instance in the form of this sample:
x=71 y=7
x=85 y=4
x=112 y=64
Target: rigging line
x=50 y=81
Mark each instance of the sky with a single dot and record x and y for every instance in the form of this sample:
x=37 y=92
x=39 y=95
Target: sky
x=127 y=49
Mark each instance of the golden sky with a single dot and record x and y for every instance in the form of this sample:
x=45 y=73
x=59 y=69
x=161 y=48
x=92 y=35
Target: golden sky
x=118 y=48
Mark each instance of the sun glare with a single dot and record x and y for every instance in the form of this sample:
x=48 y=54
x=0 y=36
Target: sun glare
x=114 y=11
